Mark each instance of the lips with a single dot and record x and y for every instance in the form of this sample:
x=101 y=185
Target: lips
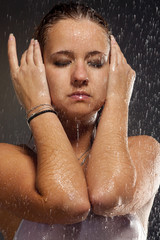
x=80 y=95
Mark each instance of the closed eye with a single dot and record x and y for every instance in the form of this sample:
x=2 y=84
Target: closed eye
x=62 y=63
x=96 y=64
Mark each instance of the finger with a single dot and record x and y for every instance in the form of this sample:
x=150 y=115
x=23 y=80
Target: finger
x=121 y=58
x=37 y=54
x=124 y=61
x=113 y=60
x=23 y=59
x=120 y=55
x=132 y=75
x=29 y=53
x=12 y=54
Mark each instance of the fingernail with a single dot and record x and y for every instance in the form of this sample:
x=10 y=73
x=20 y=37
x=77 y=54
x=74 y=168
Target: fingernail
x=36 y=42
x=113 y=39
x=11 y=36
x=32 y=41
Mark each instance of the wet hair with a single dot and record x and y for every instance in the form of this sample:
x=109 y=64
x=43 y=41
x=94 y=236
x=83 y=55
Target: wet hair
x=71 y=10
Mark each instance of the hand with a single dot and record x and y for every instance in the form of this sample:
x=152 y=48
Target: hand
x=29 y=79
x=121 y=75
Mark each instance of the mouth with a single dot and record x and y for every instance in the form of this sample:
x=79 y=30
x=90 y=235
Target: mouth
x=79 y=95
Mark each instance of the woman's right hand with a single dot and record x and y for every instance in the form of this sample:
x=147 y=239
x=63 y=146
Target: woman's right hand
x=29 y=79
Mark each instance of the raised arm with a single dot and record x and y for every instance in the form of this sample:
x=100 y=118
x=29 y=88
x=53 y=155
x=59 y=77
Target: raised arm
x=119 y=170
x=54 y=189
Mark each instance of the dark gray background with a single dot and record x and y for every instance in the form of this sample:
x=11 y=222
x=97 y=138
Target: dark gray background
x=135 y=25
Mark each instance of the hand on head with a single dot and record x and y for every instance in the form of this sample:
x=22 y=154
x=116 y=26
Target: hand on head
x=29 y=78
x=121 y=75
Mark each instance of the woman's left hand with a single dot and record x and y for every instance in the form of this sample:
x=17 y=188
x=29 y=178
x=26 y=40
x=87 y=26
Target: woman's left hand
x=121 y=75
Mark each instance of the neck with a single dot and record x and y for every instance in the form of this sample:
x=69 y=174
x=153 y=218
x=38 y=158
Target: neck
x=79 y=132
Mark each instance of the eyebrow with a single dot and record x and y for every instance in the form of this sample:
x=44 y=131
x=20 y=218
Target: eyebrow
x=64 y=52
x=71 y=53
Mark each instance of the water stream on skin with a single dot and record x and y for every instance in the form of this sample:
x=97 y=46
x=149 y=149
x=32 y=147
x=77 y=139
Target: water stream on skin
x=135 y=25
x=77 y=128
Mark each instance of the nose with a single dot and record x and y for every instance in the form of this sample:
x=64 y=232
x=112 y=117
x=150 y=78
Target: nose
x=79 y=76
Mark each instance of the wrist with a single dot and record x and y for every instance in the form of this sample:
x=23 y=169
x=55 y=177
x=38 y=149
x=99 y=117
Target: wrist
x=117 y=99
x=32 y=105
x=114 y=118
x=116 y=106
x=39 y=110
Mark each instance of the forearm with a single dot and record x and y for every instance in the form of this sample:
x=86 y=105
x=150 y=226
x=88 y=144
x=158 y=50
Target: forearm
x=110 y=172
x=60 y=179
x=60 y=182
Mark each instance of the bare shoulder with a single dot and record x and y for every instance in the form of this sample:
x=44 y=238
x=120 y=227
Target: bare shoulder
x=23 y=149
x=143 y=141
x=16 y=163
x=19 y=154
x=16 y=160
x=145 y=148
x=145 y=153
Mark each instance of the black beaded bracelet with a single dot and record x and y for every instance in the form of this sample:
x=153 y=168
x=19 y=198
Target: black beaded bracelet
x=39 y=113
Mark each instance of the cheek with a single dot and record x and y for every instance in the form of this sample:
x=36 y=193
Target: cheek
x=101 y=83
x=54 y=88
x=103 y=87
x=104 y=79
x=101 y=90
x=53 y=80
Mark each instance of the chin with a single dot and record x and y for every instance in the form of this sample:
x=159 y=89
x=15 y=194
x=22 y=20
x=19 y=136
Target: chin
x=78 y=115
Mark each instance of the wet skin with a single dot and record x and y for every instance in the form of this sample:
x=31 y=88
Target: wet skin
x=73 y=65
x=71 y=68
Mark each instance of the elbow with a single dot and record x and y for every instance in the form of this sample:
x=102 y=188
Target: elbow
x=103 y=203
x=78 y=211
x=111 y=203
x=115 y=197
x=66 y=211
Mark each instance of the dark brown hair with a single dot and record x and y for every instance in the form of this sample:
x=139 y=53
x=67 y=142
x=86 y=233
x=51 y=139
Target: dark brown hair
x=64 y=11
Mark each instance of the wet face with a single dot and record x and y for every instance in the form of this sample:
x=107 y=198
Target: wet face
x=77 y=66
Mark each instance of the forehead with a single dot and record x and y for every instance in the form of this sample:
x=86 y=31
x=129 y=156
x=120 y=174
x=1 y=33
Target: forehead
x=76 y=35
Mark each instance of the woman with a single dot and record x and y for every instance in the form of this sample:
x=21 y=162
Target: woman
x=84 y=181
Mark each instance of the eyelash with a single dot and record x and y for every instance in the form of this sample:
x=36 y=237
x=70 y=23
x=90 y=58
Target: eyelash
x=94 y=64
x=62 y=64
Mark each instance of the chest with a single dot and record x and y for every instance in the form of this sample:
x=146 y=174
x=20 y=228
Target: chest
x=93 y=228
